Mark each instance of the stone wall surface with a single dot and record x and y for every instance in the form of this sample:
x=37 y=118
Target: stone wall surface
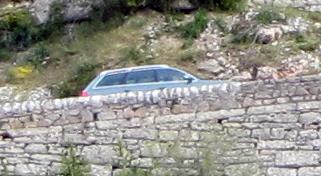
x=268 y=128
x=310 y=5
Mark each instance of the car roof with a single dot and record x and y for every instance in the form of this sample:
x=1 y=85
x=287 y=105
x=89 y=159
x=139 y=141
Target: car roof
x=137 y=68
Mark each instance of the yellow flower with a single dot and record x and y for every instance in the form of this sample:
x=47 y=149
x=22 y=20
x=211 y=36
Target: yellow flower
x=22 y=72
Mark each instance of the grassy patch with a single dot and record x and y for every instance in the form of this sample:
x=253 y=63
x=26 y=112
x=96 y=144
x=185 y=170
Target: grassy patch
x=189 y=56
x=39 y=55
x=83 y=74
x=244 y=33
x=269 y=15
x=133 y=56
x=136 y=22
x=104 y=48
x=307 y=42
x=315 y=16
x=111 y=46
x=307 y=15
x=270 y=54
x=5 y=55
x=225 y=5
x=196 y=27
x=221 y=24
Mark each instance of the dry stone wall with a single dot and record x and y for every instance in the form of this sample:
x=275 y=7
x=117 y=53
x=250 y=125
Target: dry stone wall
x=269 y=128
x=310 y=5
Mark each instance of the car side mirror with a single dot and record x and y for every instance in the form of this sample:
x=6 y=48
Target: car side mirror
x=188 y=79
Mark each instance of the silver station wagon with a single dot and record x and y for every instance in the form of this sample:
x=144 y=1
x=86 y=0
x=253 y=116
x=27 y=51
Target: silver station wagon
x=143 y=78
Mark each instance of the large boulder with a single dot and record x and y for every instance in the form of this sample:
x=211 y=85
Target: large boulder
x=210 y=66
x=40 y=10
x=72 y=10
x=266 y=35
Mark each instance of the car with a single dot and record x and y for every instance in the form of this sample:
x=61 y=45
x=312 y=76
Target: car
x=142 y=78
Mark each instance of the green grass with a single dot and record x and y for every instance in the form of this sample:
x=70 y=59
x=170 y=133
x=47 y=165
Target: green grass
x=121 y=42
x=110 y=46
x=307 y=15
x=5 y=55
x=197 y=26
x=269 y=15
x=307 y=41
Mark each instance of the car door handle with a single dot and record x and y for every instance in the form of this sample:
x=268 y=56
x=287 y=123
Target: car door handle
x=162 y=88
x=127 y=90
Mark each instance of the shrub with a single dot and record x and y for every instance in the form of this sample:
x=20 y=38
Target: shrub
x=83 y=74
x=132 y=55
x=194 y=28
x=17 y=30
x=73 y=165
x=306 y=42
x=100 y=21
x=268 y=16
x=309 y=46
x=315 y=16
x=109 y=9
x=244 y=32
x=226 y=5
x=163 y=5
x=300 y=38
x=136 y=3
x=221 y=24
x=38 y=56
x=5 y=55
x=232 y=5
x=189 y=56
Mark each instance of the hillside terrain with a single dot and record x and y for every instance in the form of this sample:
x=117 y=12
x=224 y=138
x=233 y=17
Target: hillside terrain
x=59 y=54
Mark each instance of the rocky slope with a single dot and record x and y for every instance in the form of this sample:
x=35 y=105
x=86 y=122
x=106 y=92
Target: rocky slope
x=262 y=42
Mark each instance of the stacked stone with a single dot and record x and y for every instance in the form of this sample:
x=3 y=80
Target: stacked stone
x=311 y=5
x=272 y=128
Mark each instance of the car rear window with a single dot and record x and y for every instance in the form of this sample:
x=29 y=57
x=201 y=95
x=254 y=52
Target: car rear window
x=112 y=80
x=170 y=75
x=146 y=76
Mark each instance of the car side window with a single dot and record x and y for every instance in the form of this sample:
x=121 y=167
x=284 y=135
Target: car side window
x=112 y=80
x=145 y=76
x=170 y=75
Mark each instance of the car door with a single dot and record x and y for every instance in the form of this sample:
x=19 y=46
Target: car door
x=170 y=78
x=109 y=84
x=141 y=80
